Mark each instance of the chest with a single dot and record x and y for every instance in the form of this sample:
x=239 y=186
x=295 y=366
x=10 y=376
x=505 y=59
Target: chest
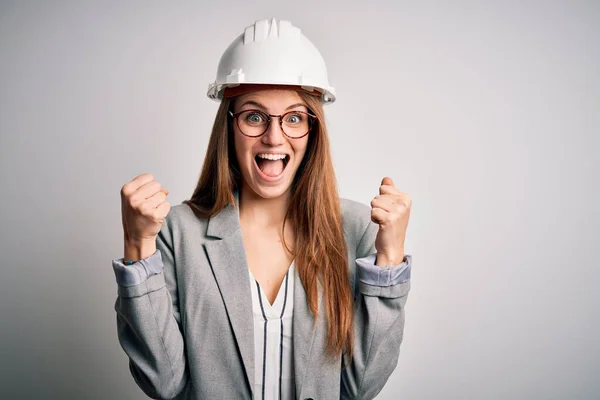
x=268 y=260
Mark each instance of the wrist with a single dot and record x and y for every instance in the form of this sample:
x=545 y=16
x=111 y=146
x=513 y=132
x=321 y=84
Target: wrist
x=136 y=250
x=384 y=260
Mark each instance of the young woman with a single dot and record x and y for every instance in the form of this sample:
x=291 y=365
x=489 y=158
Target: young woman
x=265 y=284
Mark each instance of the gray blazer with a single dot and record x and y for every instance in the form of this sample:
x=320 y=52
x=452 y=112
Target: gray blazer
x=184 y=314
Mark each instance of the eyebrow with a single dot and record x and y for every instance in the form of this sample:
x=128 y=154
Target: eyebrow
x=259 y=105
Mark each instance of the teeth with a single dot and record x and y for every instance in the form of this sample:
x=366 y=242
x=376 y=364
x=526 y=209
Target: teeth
x=272 y=156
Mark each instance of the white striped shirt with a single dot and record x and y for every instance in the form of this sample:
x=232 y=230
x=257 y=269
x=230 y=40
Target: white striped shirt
x=273 y=346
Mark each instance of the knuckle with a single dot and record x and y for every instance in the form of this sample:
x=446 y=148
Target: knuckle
x=156 y=186
x=157 y=216
x=153 y=216
x=145 y=209
x=126 y=189
x=150 y=185
x=132 y=201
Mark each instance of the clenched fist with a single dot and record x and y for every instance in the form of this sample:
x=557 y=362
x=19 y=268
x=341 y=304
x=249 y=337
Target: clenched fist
x=144 y=207
x=391 y=211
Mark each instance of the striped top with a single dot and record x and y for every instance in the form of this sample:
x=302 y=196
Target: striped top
x=273 y=346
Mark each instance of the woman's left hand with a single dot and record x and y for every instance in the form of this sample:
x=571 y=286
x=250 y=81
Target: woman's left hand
x=391 y=211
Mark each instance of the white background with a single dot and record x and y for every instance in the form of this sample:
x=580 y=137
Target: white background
x=485 y=113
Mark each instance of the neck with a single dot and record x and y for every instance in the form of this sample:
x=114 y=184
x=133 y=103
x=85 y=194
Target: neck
x=257 y=211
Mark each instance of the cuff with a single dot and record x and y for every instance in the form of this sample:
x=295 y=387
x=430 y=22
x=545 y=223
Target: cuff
x=138 y=272
x=374 y=275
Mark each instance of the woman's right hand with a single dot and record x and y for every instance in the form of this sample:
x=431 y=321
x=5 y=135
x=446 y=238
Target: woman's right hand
x=144 y=207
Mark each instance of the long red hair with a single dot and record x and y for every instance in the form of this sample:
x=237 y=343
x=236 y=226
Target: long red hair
x=314 y=213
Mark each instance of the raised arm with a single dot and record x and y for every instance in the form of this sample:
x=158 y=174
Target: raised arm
x=148 y=319
x=382 y=271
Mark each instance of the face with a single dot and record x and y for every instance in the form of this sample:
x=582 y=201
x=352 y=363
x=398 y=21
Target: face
x=263 y=170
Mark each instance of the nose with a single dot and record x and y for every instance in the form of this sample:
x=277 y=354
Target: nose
x=274 y=135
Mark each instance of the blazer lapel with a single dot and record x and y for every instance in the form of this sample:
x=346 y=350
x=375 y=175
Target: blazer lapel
x=228 y=262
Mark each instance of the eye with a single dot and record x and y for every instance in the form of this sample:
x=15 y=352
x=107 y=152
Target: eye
x=294 y=118
x=254 y=117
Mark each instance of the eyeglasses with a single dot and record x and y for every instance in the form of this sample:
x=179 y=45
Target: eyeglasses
x=254 y=123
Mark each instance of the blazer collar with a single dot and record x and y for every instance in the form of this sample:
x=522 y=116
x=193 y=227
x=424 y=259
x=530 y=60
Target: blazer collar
x=225 y=222
x=227 y=258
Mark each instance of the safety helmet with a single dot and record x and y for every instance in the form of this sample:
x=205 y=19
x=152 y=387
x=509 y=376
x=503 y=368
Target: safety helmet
x=274 y=53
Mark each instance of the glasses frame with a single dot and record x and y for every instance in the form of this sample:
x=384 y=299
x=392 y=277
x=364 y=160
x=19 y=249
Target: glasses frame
x=311 y=118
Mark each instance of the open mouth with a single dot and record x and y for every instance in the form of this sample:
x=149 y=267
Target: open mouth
x=272 y=167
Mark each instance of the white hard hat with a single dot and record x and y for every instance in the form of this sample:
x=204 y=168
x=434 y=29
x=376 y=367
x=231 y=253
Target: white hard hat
x=275 y=53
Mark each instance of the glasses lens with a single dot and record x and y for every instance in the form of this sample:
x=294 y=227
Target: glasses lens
x=253 y=122
x=294 y=123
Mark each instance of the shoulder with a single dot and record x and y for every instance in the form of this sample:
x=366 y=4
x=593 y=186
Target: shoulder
x=180 y=212
x=181 y=218
x=355 y=209
x=356 y=219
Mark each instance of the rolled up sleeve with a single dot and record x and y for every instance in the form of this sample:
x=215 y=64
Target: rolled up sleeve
x=374 y=275
x=138 y=272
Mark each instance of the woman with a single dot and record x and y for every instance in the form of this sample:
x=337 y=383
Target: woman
x=265 y=284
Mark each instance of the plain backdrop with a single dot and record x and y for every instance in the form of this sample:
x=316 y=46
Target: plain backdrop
x=485 y=113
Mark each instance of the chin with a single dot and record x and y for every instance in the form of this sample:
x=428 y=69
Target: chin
x=270 y=193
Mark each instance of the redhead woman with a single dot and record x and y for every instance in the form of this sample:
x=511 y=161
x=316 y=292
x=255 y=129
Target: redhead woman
x=265 y=284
